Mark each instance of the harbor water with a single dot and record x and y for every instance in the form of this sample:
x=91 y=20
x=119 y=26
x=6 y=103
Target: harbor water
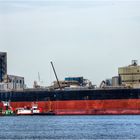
x=70 y=127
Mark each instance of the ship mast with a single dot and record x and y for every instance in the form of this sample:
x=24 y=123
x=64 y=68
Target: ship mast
x=55 y=75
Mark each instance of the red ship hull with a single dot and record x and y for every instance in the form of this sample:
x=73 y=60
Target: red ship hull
x=85 y=107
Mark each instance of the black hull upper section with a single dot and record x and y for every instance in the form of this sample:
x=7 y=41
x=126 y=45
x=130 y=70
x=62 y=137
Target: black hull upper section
x=102 y=94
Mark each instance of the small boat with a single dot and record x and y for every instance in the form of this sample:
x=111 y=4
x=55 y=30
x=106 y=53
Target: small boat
x=35 y=109
x=7 y=110
x=23 y=111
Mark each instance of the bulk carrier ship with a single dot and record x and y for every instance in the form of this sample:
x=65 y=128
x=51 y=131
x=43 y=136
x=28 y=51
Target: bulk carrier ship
x=75 y=95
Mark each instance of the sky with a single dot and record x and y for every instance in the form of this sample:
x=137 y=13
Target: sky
x=83 y=38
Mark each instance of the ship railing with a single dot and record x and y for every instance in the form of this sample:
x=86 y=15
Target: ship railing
x=113 y=87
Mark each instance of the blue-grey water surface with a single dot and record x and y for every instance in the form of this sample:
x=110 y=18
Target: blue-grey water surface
x=70 y=127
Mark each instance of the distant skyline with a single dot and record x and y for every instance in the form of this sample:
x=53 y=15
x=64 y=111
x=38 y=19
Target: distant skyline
x=83 y=38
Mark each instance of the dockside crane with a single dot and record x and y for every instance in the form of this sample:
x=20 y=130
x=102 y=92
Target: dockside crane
x=56 y=75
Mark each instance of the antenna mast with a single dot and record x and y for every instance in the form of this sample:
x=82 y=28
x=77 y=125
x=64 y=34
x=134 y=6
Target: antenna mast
x=38 y=76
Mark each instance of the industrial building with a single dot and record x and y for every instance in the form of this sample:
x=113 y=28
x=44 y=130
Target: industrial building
x=130 y=75
x=9 y=82
x=3 y=65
